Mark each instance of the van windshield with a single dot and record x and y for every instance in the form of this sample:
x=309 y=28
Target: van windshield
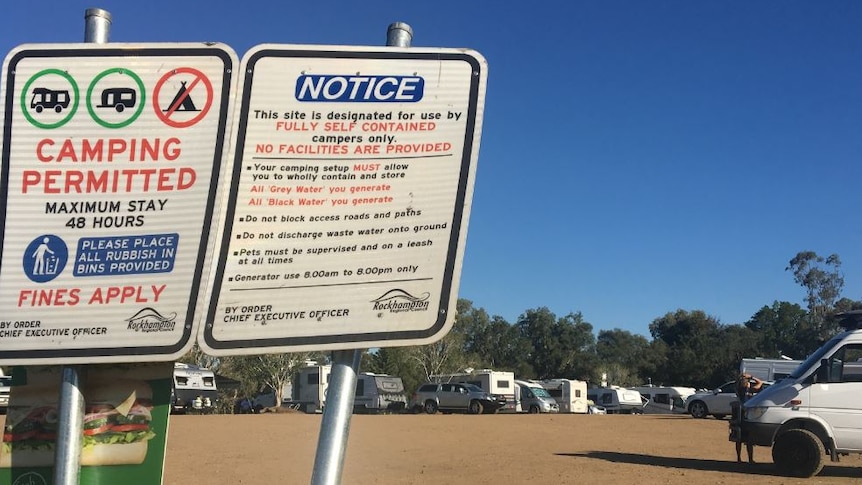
x=814 y=358
x=540 y=392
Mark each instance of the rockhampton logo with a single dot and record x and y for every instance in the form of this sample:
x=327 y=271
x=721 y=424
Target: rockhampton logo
x=398 y=300
x=149 y=320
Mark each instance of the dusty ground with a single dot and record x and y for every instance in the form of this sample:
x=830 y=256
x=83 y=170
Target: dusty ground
x=486 y=449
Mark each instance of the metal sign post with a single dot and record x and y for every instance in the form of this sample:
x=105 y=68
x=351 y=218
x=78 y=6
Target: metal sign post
x=70 y=409
x=335 y=426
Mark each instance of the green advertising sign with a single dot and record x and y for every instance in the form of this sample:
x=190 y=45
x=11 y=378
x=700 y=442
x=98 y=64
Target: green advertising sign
x=125 y=424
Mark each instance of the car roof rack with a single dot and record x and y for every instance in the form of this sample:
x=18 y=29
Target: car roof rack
x=851 y=320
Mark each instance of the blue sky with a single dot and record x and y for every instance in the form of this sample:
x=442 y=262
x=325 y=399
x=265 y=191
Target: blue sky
x=637 y=157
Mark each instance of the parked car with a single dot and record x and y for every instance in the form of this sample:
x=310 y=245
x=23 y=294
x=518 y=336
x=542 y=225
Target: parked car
x=5 y=383
x=449 y=397
x=716 y=402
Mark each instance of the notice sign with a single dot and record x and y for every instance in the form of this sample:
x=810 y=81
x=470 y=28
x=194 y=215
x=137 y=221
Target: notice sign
x=349 y=199
x=111 y=157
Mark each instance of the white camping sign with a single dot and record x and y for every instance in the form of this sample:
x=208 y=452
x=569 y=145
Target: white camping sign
x=348 y=208
x=110 y=158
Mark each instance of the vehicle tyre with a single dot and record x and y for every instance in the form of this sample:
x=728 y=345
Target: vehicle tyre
x=534 y=409
x=39 y=108
x=719 y=416
x=58 y=108
x=698 y=409
x=798 y=453
x=475 y=407
x=119 y=107
x=430 y=407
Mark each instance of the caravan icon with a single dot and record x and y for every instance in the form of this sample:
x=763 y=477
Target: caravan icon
x=48 y=98
x=118 y=98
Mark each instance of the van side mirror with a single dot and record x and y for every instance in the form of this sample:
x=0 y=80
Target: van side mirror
x=824 y=373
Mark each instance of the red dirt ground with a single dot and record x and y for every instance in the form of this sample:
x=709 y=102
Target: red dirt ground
x=466 y=449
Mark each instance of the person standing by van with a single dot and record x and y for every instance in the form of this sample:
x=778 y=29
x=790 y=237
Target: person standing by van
x=746 y=386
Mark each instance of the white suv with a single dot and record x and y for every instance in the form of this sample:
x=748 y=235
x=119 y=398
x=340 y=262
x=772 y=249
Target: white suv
x=715 y=402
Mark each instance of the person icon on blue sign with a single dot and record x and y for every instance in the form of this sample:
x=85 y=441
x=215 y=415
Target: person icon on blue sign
x=45 y=258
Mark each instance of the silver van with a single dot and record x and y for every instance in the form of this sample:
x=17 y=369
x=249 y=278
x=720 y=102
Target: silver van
x=534 y=399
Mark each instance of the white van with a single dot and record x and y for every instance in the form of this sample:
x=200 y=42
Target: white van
x=570 y=394
x=664 y=399
x=530 y=397
x=816 y=410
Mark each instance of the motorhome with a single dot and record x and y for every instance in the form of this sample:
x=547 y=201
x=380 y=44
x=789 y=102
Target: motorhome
x=570 y=394
x=616 y=400
x=194 y=389
x=664 y=399
x=531 y=397
x=379 y=393
x=816 y=410
x=44 y=98
x=500 y=383
x=768 y=369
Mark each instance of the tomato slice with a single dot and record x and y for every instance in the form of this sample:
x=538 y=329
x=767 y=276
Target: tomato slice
x=100 y=429
x=124 y=428
x=9 y=437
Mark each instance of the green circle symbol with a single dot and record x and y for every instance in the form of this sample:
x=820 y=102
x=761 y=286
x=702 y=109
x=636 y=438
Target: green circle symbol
x=140 y=102
x=25 y=108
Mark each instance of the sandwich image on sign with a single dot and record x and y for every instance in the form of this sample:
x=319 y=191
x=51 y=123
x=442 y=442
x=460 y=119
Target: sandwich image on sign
x=116 y=426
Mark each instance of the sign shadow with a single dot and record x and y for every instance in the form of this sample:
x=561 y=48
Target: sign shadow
x=707 y=465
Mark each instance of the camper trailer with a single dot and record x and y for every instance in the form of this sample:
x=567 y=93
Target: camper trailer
x=571 y=395
x=194 y=389
x=531 y=397
x=768 y=369
x=375 y=393
x=664 y=399
x=308 y=390
x=616 y=400
x=499 y=383
x=379 y=393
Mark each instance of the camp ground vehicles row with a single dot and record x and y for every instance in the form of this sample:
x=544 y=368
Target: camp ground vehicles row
x=194 y=391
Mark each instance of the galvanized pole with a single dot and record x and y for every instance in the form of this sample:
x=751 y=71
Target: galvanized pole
x=97 y=25
x=335 y=426
x=70 y=419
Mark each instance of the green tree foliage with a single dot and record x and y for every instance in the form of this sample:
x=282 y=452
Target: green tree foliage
x=823 y=282
x=692 y=339
x=783 y=329
x=558 y=348
x=624 y=357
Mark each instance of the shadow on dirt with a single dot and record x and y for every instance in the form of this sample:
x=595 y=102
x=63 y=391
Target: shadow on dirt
x=707 y=465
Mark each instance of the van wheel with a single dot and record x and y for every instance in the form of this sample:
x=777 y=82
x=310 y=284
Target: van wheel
x=58 y=108
x=698 y=409
x=534 y=409
x=430 y=407
x=475 y=407
x=39 y=108
x=798 y=453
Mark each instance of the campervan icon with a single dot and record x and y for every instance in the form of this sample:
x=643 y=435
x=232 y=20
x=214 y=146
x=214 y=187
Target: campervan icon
x=118 y=98
x=44 y=98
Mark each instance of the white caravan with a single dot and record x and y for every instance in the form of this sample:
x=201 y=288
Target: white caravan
x=816 y=410
x=531 y=397
x=375 y=393
x=493 y=382
x=308 y=392
x=193 y=390
x=616 y=400
x=570 y=394
x=664 y=399
x=379 y=393
x=768 y=369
